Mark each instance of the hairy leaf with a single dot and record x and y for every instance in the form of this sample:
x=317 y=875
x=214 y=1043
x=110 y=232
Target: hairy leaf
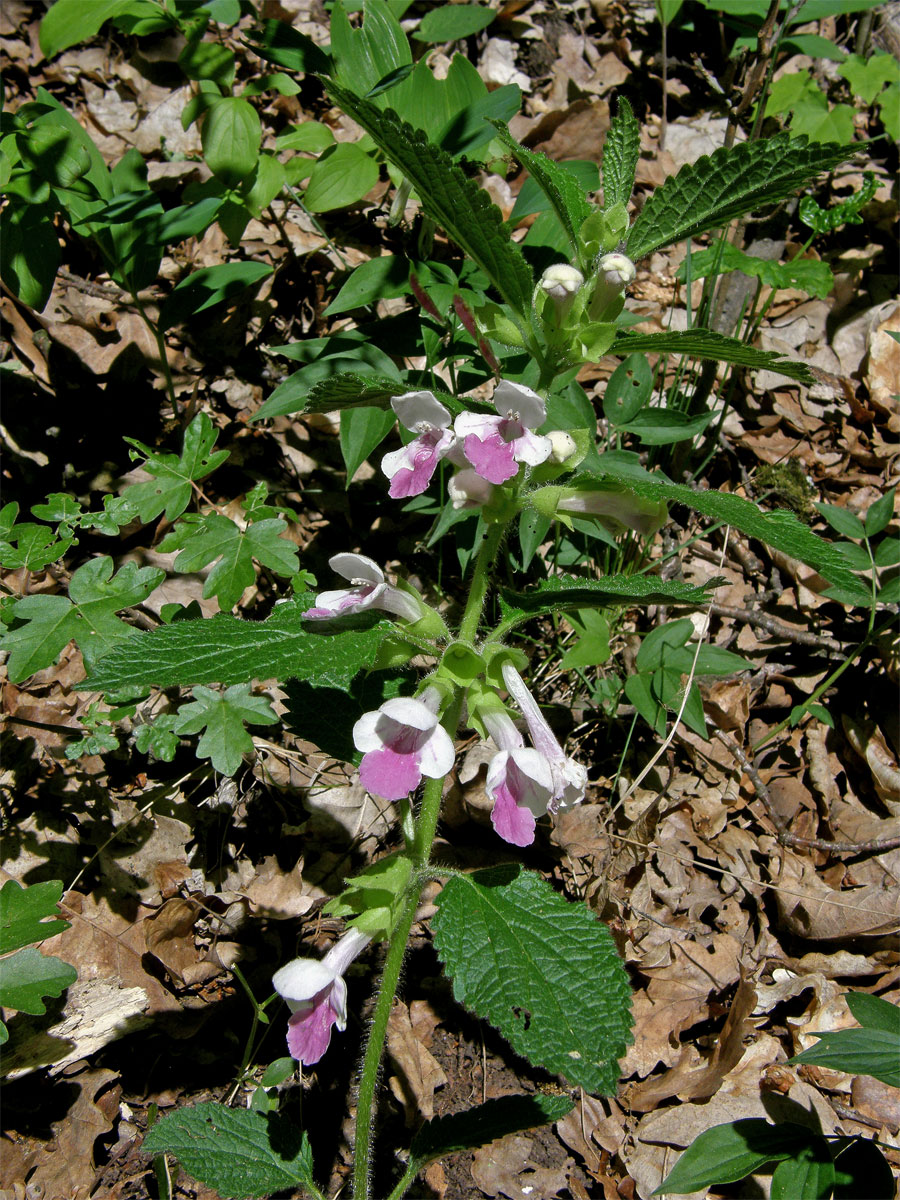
x=226 y=649
x=240 y=1152
x=620 y=156
x=779 y=529
x=561 y=188
x=703 y=343
x=352 y=391
x=569 y=592
x=726 y=184
x=542 y=970
x=456 y=202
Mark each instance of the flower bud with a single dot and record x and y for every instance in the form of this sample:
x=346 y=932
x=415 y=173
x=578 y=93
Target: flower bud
x=563 y=446
x=467 y=489
x=614 y=273
x=561 y=284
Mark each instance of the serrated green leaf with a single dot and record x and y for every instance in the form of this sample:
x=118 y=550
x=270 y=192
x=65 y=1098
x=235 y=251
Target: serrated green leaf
x=24 y=913
x=352 y=391
x=223 y=716
x=568 y=592
x=170 y=487
x=226 y=649
x=726 y=184
x=88 y=615
x=483 y=1124
x=213 y=538
x=726 y=1153
x=779 y=529
x=703 y=343
x=28 y=976
x=463 y=209
x=542 y=970
x=562 y=189
x=242 y=1153
x=620 y=156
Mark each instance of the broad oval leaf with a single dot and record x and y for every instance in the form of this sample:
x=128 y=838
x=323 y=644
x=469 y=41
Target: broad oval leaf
x=341 y=176
x=231 y=135
x=542 y=970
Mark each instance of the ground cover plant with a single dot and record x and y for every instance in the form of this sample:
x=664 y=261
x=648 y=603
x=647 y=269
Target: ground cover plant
x=451 y=696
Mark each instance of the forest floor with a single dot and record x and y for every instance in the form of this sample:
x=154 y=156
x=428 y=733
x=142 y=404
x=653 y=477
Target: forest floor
x=741 y=925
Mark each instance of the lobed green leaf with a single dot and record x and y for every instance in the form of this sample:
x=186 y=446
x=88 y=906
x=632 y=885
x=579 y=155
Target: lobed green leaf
x=24 y=913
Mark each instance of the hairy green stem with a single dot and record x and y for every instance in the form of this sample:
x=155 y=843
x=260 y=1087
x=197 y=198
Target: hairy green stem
x=490 y=543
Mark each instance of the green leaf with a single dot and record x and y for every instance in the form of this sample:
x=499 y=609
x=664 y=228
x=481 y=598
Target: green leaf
x=726 y=184
x=88 y=615
x=568 y=592
x=703 y=343
x=170 y=487
x=240 y=1152
x=226 y=649
x=809 y=1175
x=367 y=55
x=213 y=538
x=29 y=252
x=862 y=1170
x=842 y=520
x=779 y=529
x=310 y=136
x=542 y=970
x=621 y=152
x=382 y=278
x=629 y=389
x=288 y=47
x=726 y=1153
x=352 y=391
x=878 y=515
x=24 y=913
x=68 y=22
x=35 y=547
x=341 y=176
x=450 y=22
x=483 y=1124
x=334 y=360
x=807 y=274
x=874 y=1013
x=563 y=191
x=208 y=60
x=826 y=220
x=231 y=136
x=209 y=286
x=867 y=78
x=663 y=426
x=362 y=430
x=456 y=202
x=223 y=716
x=28 y=976
x=873 y=1052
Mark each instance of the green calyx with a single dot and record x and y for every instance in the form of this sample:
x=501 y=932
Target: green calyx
x=374 y=900
x=461 y=664
x=496 y=655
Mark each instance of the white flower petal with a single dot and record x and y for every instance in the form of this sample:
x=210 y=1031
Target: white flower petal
x=356 y=567
x=365 y=732
x=437 y=755
x=302 y=979
x=407 y=711
x=514 y=397
x=415 y=409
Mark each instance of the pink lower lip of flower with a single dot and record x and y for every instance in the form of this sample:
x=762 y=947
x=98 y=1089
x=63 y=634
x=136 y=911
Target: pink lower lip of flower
x=411 y=468
x=569 y=778
x=520 y=783
x=402 y=741
x=491 y=457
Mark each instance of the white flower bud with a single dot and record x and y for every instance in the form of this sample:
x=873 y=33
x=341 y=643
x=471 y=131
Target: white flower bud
x=614 y=273
x=563 y=446
x=562 y=284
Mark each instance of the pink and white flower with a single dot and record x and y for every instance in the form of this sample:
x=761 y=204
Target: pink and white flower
x=467 y=489
x=568 y=778
x=615 y=508
x=519 y=780
x=410 y=468
x=369 y=590
x=316 y=994
x=495 y=446
x=401 y=741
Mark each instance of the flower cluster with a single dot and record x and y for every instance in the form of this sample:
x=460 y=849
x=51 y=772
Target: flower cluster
x=487 y=447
